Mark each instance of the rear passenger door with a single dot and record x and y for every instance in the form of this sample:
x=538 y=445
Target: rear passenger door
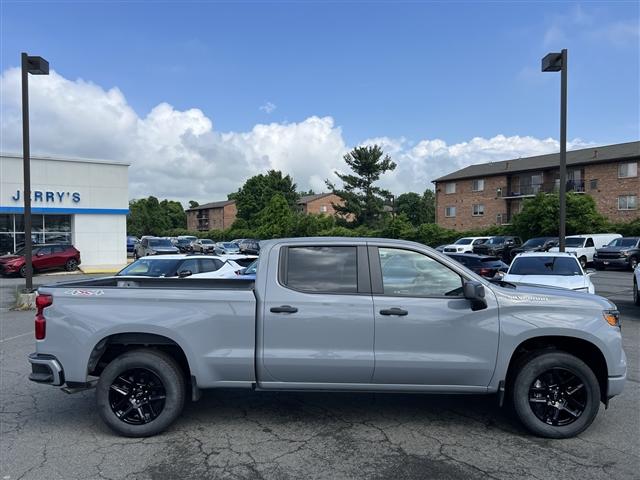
x=43 y=258
x=317 y=324
x=426 y=333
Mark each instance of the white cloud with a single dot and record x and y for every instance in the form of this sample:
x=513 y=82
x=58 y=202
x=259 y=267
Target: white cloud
x=268 y=107
x=179 y=155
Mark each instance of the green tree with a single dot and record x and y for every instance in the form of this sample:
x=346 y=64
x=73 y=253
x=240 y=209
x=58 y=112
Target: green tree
x=363 y=201
x=193 y=204
x=148 y=216
x=539 y=216
x=418 y=209
x=276 y=220
x=257 y=192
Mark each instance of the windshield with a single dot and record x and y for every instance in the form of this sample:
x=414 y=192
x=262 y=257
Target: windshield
x=534 y=242
x=463 y=241
x=564 y=266
x=148 y=267
x=230 y=245
x=574 y=242
x=160 y=242
x=251 y=269
x=183 y=241
x=495 y=240
x=206 y=241
x=623 y=242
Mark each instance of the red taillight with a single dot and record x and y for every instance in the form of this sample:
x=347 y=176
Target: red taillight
x=42 y=302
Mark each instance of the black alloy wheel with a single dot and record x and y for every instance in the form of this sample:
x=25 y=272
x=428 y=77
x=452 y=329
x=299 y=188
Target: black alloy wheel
x=137 y=396
x=633 y=263
x=71 y=265
x=558 y=397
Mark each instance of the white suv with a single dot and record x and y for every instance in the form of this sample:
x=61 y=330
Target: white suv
x=464 y=245
x=552 y=269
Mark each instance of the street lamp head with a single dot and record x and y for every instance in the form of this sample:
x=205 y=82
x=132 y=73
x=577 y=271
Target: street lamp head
x=37 y=65
x=552 y=62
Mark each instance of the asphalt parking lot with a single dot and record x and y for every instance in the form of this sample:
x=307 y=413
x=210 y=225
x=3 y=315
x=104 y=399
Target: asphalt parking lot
x=47 y=434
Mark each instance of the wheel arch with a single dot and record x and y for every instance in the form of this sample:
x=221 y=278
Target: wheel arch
x=585 y=350
x=109 y=347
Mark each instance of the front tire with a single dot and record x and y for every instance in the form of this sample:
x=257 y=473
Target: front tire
x=636 y=294
x=556 y=395
x=633 y=263
x=583 y=262
x=140 y=393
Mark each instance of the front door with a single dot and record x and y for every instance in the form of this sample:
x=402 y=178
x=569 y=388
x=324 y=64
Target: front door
x=318 y=317
x=426 y=332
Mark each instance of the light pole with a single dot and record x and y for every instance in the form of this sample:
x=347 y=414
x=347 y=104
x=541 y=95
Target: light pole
x=34 y=66
x=557 y=62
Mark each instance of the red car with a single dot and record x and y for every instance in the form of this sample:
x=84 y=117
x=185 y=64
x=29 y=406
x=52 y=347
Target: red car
x=44 y=257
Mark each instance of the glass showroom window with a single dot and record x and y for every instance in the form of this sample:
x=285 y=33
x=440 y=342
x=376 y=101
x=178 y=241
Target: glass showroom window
x=477 y=185
x=44 y=229
x=627 y=170
x=627 y=202
x=450 y=212
x=450 y=187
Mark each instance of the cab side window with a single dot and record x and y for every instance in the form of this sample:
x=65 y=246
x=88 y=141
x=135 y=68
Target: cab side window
x=589 y=242
x=408 y=273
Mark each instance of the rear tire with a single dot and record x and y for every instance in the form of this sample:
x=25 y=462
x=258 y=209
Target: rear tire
x=140 y=393
x=71 y=265
x=555 y=395
x=636 y=294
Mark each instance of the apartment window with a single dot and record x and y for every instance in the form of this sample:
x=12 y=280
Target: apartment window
x=593 y=184
x=627 y=170
x=450 y=188
x=450 y=211
x=478 y=210
x=323 y=208
x=627 y=202
x=477 y=185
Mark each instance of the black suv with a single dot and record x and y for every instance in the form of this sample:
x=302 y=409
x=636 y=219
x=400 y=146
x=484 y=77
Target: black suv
x=482 y=265
x=538 y=244
x=249 y=246
x=499 y=246
x=621 y=252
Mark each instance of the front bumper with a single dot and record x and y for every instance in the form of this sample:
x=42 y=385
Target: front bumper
x=622 y=262
x=46 y=369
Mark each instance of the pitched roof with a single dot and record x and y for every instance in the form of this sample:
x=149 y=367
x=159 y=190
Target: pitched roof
x=311 y=198
x=606 y=153
x=207 y=206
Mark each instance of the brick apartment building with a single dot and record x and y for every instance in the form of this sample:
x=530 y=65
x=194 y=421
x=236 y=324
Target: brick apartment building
x=211 y=216
x=319 y=203
x=489 y=194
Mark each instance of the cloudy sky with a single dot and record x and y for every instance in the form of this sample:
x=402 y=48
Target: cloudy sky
x=198 y=96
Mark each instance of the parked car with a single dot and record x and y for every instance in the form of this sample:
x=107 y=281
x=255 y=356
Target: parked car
x=465 y=244
x=483 y=265
x=560 y=269
x=584 y=246
x=440 y=248
x=621 y=252
x=327 y=314
x=223 y=248
x=43 y=257
x=238 y=241
x=250 y=246
x=131 y=244
x=537 y=244
x=498 y=246
x=153 y=246
x=203 y=245
x=171 y=266
x=190 y=238
x=248 y=273
x=636 y=282
x=183 y=244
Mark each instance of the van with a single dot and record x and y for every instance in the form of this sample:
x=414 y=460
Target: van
x=584 y=246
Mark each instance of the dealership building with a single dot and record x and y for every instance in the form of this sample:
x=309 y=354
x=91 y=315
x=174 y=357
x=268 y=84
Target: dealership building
x=80 y=201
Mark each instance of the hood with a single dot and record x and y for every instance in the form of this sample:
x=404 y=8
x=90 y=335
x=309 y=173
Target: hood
x=548 y=296
x=164 y=249
x=568 y=282
x=8 y=258
x=613 y=249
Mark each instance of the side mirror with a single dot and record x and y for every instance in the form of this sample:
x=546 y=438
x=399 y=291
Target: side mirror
x=184 y=273
x=474 y=291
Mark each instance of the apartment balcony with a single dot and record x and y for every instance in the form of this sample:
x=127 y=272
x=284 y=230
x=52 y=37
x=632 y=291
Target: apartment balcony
x=532 y=190
x=503 y=219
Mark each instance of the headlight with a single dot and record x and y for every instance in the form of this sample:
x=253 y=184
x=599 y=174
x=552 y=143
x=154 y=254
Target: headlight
x=612 y=317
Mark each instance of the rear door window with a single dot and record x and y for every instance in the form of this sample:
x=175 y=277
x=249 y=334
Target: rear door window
x=322 y=269
x=209 y=264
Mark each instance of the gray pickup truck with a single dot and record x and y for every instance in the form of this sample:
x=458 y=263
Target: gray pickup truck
x=338 y=314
